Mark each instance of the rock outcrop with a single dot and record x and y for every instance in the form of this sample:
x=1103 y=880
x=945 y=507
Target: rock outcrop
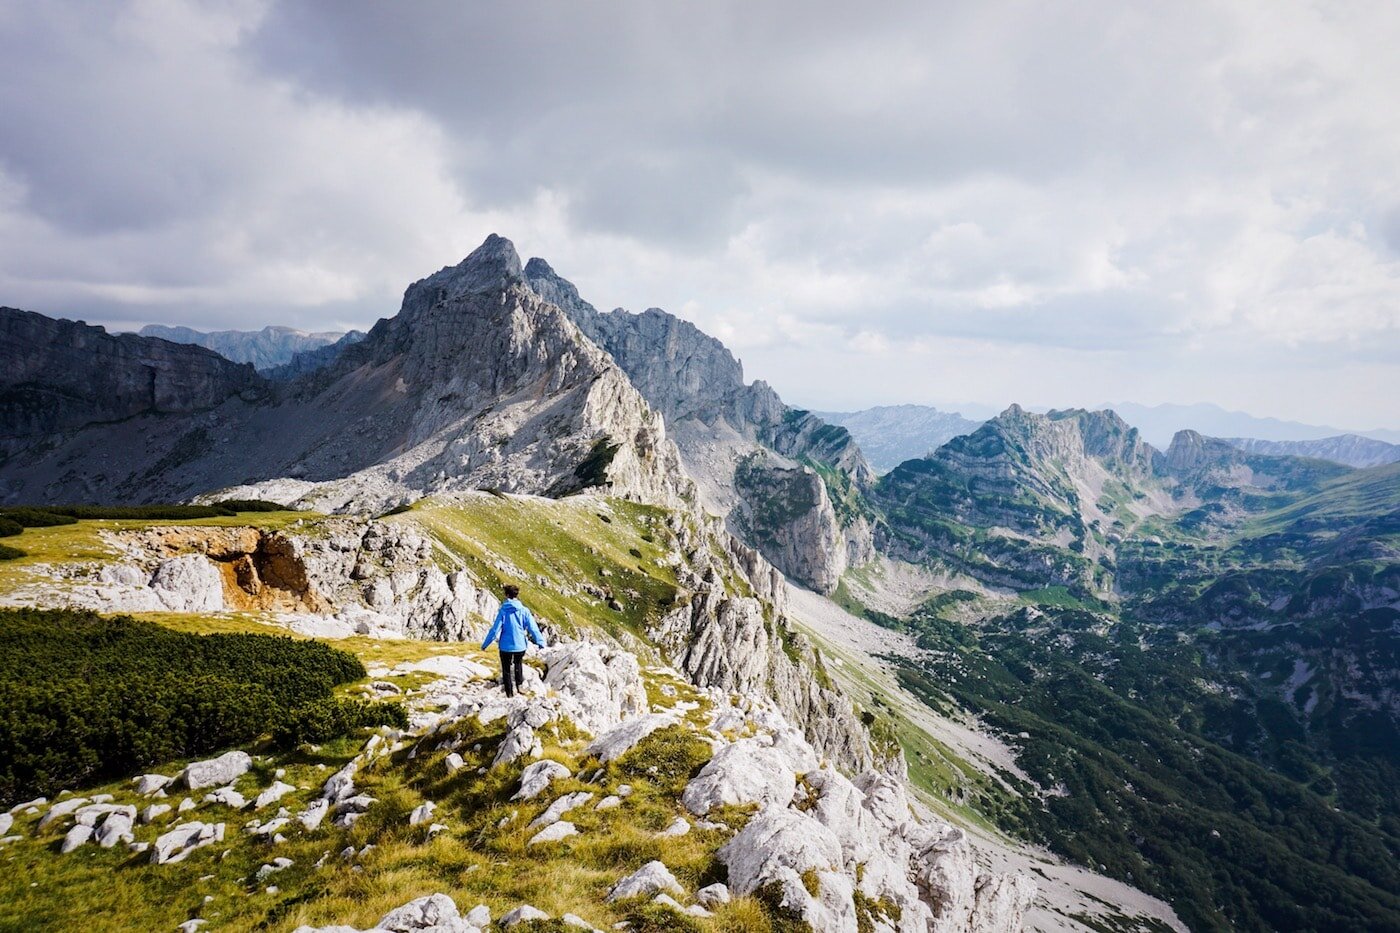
x=722 y=425
x=57 y=376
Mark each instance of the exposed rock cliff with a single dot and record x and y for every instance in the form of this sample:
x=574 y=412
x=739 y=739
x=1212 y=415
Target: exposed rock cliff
x=720 y=422
x=58 y=375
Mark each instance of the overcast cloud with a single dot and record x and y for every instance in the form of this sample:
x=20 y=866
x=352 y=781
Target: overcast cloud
x=1049 y=203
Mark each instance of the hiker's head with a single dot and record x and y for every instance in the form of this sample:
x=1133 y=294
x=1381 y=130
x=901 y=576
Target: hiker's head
x=511 y=590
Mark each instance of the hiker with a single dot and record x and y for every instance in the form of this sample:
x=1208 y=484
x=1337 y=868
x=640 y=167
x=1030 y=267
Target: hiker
x=514 y=624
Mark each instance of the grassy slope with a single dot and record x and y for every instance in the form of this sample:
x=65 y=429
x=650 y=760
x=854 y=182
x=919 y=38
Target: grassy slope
x=567 y=543
x=611 y=545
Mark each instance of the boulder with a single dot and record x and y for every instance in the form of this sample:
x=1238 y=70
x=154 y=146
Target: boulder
x=6 y=821
x=423 y=813
x=228 y=797
x=116 y=828
x=61 y=809
x=75 y=837
x=521 y=915
x=177 y=843
x=341 y=784
x=743 y=773
x=148 y=784
x=152 y=811
x=558 y=808
x=777 y=843
x=652 y=878
x=537 y=777
x=554 y=832
x=604 y=684
x=713 y=895
x=679 y=827
x=617 y=741
x=189 y=583
x=436 y=912
x=312 y=816
x=225 y=769
x=276 y=792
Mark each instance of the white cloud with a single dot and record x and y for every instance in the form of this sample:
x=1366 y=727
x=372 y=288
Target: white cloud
x=998 y=201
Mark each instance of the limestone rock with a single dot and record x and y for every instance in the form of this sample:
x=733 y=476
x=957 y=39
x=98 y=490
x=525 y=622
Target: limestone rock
x=559 y=807
x=554 y=832
x=652 y=878
x=604 y=684
x=225 y=769
x=522 y=914
x=148 y=784
x=617 y=741
x=742 y=773
x=537 y=777
x=436 y=913
x=272 y=794
x=75 y=837
x=189 y=583
x=177 y=843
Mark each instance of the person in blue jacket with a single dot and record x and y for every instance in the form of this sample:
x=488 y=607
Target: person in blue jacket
x=514 y=624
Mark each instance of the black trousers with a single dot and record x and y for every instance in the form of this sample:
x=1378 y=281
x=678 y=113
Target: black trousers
x=512 y=670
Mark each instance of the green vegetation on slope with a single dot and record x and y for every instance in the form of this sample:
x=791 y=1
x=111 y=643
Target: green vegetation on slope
x=608 y=561
x=84 y=697
x=481 y=855
x=1124 y=734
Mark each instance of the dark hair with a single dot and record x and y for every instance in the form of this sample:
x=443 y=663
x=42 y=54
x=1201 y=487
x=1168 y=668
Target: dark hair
x=511 y=590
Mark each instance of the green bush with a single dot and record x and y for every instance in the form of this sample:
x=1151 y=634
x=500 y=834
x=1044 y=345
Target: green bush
x=234 y=506
x=9 y=527
x=44 y=515
x=329 y=718
x=85 y=698
x=10 y=553
x=36 y=518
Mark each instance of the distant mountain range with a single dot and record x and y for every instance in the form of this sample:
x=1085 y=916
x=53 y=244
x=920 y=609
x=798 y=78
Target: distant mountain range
x=890 y=434
x=267 y=348
x=1158 y=424
x=1350 y=449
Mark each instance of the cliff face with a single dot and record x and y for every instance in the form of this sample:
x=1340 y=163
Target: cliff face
x=57 y=375
x=476 y=383
x=720 y=422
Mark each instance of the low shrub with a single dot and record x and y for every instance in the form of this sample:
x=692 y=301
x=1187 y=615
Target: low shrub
x=83 y=697
x=9 y=527
x=234 y=506
x=10 y=553
x=36 y=518
x=329 y=718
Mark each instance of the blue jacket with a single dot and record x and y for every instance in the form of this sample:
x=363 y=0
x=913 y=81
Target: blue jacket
x=513 y=624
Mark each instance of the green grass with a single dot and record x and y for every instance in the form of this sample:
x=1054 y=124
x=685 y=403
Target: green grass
x=584 y=545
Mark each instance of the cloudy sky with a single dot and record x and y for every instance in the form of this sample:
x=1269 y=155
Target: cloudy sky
x=932 y=202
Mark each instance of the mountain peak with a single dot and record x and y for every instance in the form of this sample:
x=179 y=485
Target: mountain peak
x=491 y=262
